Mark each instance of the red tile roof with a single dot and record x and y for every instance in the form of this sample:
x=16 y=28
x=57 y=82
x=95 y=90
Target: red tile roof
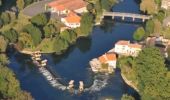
x=107 y=57
x=68 y=4
x=135 y=46
x=122 y=42
x=73 y=18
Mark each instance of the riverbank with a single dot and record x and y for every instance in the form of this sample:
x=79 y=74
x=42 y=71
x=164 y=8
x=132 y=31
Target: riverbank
x=128 y=82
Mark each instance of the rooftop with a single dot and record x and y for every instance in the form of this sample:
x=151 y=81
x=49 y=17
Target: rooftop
x=107 y=57
x=122 y=42
x=68 y=4
x=73 y=18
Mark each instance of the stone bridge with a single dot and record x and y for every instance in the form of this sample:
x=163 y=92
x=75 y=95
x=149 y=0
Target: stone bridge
x=129 y=15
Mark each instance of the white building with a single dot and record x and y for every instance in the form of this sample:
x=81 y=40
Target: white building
x=72 y=20
x=105 y=63
x=165 y=4
x=126 y=48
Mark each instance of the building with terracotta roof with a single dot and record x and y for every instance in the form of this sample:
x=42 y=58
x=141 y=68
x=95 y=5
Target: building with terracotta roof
x=104 y=63
x=72 y=20
x=126 y=48
x=64 y=6
x=165 y=4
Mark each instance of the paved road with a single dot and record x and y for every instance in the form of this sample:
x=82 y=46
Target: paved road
x=36 y=8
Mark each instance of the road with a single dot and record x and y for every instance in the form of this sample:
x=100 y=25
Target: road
x=36 y=8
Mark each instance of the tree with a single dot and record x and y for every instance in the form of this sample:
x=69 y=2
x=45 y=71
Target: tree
x=25 y=40
x=69 y=36
x=34 y=32
x=20 y=4
x=11 y=35
x=127 y=97
x=105 y=4
x=139 y=34
x=60 y=45
x=90 y=7
x=160 y=16
x=9 y=86
x=151 y=75
x=3 y=43
x=5 y=17
x=148 y=6
x=3 y=59
x=149 y=27
x=40 y=19
x=49 y=30
x=157 y=27
x=86 y=24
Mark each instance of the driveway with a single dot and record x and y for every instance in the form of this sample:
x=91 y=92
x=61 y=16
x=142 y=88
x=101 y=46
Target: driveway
x=36 y=8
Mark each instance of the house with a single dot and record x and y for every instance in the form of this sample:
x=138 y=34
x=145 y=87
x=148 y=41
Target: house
x=64 y=6
x=126 y=48
x=121 y=47
x=104 y=63
x=108 y=58
x=165 y=4
x=72 y=20
x=166 y=22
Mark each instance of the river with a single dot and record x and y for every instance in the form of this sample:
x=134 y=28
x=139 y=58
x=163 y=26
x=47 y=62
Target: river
x=74 y=63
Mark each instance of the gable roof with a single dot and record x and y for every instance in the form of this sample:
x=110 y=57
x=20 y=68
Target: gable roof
x=68 y=4
x=107 y=57
x=122 y=42
x=72 y=18
x=135 y=46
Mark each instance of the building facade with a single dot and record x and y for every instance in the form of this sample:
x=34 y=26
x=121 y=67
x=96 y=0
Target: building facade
x=105 y=63
x=123 y=47
x=72 y=20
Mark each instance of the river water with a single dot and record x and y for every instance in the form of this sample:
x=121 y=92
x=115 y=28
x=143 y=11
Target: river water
x=74 y=63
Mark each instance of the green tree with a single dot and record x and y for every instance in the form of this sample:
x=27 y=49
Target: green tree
x=9 y=86
x=157 y=27
x=40 y=19
x=160 y=16
x=127 y=97
x=139 y=34
x=86 y=24
x=5 y=17
x=148 y=6
x=3 y=59
x=69 y=36
x=60 y=45
x=34 y=32
x=105 y=4
x=151 y=74
x=25 y=40
x=20 y=4
x=90 y=7
x=49 y=30
x=11 y=35
x=3 y=43
x=149 y=27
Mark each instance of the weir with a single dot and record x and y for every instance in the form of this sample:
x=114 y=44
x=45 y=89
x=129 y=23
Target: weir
x=100 y=81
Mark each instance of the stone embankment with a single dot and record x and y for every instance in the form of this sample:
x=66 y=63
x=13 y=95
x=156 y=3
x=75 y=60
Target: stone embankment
x=128 y=82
